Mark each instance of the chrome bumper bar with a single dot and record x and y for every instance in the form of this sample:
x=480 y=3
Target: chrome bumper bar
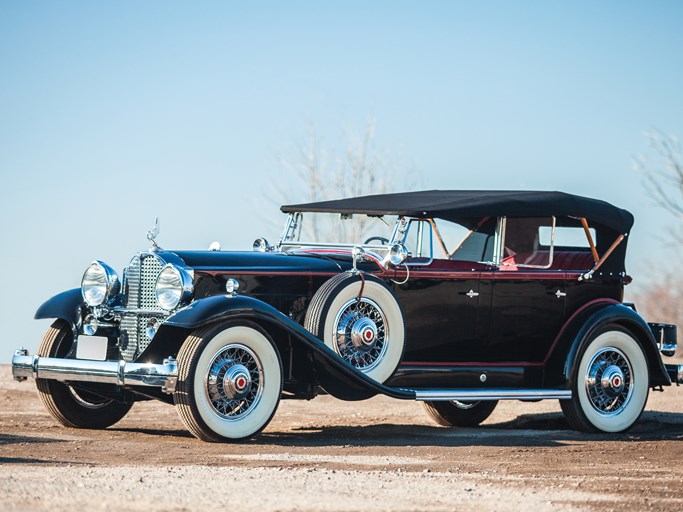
x=120 y=373
x=675 y=372
x=491 y=394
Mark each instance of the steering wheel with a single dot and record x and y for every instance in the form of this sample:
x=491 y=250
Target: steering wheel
x=381 y=239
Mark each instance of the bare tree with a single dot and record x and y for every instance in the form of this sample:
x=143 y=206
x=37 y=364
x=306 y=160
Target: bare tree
x=661 y=298
x=664 y=174
x=317 y=173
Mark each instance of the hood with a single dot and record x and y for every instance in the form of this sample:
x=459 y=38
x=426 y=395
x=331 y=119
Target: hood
x=275 y=262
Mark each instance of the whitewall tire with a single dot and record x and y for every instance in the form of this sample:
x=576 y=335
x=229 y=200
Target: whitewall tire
x=368 y=331
x=610 y=385
x=229 y=381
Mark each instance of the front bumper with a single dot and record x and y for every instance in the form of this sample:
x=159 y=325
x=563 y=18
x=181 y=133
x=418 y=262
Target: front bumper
x=120 y=373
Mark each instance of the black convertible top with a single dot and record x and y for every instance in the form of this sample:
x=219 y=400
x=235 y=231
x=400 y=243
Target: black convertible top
x=459 y=205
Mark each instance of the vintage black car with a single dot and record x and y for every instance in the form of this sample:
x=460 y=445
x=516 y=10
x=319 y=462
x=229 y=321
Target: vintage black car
x=456 y=299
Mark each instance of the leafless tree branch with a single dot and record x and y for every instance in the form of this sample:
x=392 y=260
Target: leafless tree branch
x=316 y=174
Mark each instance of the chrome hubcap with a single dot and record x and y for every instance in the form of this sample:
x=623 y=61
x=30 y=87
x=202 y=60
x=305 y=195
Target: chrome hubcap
x=612 y=380
x=237 y=382
x=364 y=334
x=360 y=333
x=609 y=382
x=234 y=381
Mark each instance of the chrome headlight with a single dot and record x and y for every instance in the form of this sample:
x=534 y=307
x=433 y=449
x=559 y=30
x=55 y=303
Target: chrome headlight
x=99 y=284
x=174 y=285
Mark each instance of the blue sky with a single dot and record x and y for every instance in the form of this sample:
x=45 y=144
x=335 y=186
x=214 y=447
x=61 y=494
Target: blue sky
x=114 y=112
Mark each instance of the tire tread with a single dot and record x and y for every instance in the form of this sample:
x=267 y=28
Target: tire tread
x=56 y=396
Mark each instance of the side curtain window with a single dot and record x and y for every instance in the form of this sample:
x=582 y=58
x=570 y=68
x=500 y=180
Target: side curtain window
x=522 y=244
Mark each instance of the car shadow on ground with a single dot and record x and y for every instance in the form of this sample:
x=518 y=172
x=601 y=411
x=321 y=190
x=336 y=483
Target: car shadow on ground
x=19 y=439
x=544 y=429
x=184 y=434
x=539 y=430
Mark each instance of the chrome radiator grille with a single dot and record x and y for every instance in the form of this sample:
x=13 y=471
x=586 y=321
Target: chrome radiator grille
x=133 y=339
x=141 y=276
x=139 y=281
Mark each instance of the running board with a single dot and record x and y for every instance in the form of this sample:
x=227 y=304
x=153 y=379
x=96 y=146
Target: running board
x=491 y=394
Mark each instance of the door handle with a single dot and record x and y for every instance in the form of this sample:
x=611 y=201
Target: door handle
x=559 y=294
x=472 y=294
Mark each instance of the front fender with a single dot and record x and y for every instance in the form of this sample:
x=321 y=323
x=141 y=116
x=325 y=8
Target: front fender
x=66 y=305
x=337 y=376
x=581 y=329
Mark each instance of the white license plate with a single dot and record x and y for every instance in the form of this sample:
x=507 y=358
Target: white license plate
x=91 y=347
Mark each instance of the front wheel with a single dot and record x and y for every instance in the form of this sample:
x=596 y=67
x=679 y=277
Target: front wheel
x=457 y=413
x=229 y=381
x=610 y=384
x=73 y=407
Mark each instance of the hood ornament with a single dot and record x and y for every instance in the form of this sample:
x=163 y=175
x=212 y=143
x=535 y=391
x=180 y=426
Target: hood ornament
x=153 y=233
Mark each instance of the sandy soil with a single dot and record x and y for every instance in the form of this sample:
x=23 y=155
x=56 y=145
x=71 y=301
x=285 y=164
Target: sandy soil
x=325 y=454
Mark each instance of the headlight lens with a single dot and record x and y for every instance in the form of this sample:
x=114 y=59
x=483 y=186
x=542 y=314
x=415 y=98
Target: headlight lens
x=99 y=283
x=174 y=285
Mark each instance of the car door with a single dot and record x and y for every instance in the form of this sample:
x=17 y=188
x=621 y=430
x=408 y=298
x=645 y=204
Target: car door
x=441 y=308
x=441 y=301
x=528 y=296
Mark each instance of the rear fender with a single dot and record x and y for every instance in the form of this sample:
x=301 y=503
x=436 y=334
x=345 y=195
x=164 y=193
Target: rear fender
x=336 y=376
x=581 y=329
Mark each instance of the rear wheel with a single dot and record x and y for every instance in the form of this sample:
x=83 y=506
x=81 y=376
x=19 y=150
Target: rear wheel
x=229 y=381
x=610 y=384
x=73 y=407
x=456 y=413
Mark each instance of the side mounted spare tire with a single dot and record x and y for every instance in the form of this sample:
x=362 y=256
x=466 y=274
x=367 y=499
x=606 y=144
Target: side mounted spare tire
x=360 y=319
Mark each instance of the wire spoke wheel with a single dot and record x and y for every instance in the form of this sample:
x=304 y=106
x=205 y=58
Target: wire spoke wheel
x=359 y=318
x=608 y=381
x=233 y=382
x=361 y=332
x=229 y=381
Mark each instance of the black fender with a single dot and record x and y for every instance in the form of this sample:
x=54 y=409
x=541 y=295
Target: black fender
x=66 y=305
x=337 y=377
x=580 y=329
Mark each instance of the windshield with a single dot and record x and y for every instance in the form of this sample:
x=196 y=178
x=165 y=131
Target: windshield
x=335 y=228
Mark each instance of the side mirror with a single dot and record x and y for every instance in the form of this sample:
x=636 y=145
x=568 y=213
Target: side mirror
x=397 y=255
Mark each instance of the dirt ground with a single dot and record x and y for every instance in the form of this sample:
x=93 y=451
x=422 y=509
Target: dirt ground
x=380 y=454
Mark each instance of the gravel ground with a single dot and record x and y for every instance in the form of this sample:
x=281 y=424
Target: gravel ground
x=380 y=454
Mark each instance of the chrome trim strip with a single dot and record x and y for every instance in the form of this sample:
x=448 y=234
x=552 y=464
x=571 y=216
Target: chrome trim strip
x=491 y=394
x=120 y=373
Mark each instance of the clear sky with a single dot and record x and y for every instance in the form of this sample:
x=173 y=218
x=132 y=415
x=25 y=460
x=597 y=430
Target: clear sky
x=114 y=112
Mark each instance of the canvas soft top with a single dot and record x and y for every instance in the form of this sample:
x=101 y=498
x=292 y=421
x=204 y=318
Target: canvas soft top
x=460 y=205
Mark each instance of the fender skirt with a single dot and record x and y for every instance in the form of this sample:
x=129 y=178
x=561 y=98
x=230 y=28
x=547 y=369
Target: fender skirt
x=338 y=377
x=565 y=356
x=66 y=305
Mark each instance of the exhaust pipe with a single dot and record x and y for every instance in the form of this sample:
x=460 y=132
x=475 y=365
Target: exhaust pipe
x=120 y=373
